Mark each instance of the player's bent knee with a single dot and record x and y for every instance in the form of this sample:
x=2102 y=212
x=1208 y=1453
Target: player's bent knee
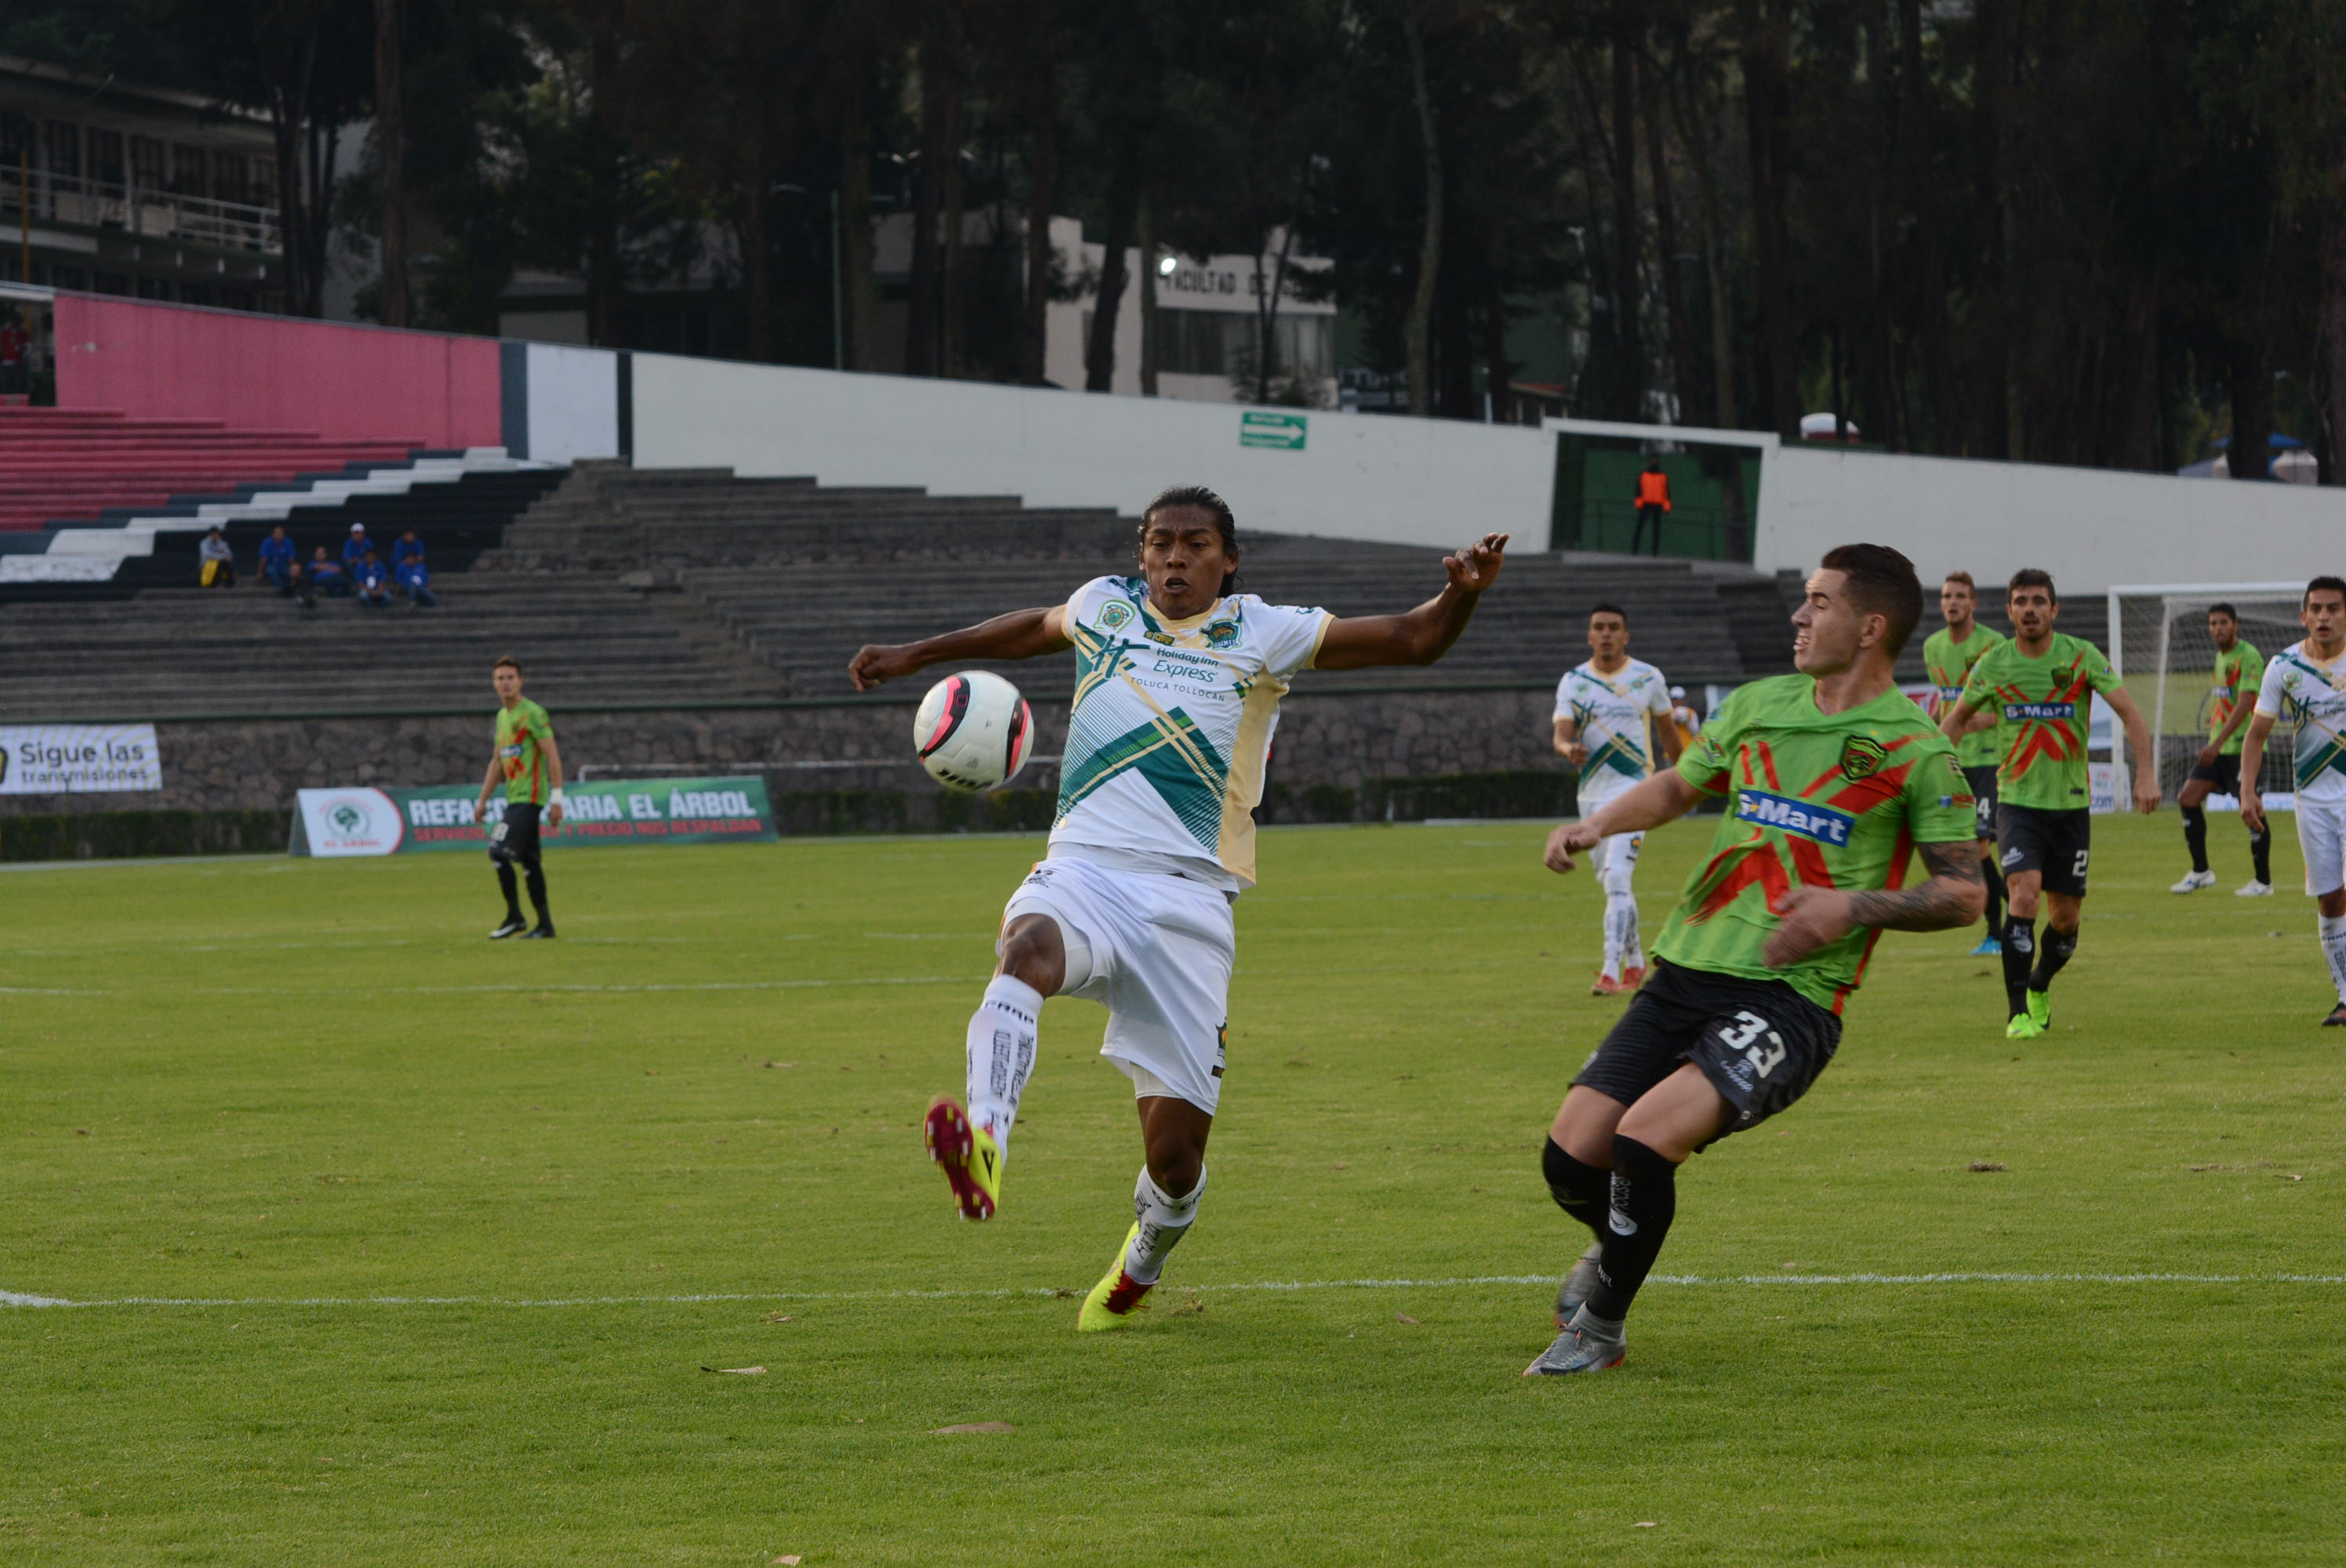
x=1035 y=953
x=1585 y=1123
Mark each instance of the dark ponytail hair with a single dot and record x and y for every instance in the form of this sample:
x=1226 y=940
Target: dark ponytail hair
x=1199 y=496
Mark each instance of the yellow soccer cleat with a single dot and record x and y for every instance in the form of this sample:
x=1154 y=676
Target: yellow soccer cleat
x=1114 y=1298
x=971 y=1158
x=2040 y=1008
x=2021 y=1026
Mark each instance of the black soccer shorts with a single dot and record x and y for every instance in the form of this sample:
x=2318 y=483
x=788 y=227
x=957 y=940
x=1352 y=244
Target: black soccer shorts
x=1759 y=1042
x=514 y=839
x=2055 y=843
x=1983 y=783
x=2224 y=773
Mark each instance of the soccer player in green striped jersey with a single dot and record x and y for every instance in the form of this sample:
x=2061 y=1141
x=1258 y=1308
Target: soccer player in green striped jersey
x=1832 y=780
x=2239 y=674
x=529 y=765
x=1949 y=654
x=2040 y=686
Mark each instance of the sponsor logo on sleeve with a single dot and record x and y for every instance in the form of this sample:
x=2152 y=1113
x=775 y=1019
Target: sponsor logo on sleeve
x=1803 y=819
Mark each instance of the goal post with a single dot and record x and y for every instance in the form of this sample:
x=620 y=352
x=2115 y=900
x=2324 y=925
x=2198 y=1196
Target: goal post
x=2160 y=649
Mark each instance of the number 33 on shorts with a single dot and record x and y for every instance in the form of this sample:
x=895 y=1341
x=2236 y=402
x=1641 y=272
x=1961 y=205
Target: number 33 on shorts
x=1743 y=1033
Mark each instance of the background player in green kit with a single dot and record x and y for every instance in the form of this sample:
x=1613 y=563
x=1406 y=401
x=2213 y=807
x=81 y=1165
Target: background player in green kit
x=1949 y=654
x=1830 y=779
x=2240 y=674
x=2039 y=688
x=530 y=765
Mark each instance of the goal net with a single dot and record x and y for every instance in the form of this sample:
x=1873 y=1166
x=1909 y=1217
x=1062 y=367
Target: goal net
x=2160 y=647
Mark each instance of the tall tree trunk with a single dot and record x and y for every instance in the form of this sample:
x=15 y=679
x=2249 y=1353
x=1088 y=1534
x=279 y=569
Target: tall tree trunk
x=952 y=312
x=1042 y=195
x=2329 y=341
x=1418 y=330
x=1144 y=234
x=2137 y=441
x=1453 y=351
x=2253 y=372
x=1884 y=416
x=757 y=253
x=1498 y=372
x=1694 y=133
x=1123 y=210
x=1929 y=247
x=1629 y=363
x=1766 y=97
x=860 y=288
x=1665 y=238
x=390 y=159
x=606 y=289
x=1269 y=284
x=928 y=187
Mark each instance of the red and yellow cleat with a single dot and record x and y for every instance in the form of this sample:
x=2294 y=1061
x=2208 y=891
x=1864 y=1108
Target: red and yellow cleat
x=1111 y=1300
x=1607 y=986
x=1631 y=979
x=972 y=1161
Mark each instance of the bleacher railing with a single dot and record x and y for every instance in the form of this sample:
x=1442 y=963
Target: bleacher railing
x=133 y=209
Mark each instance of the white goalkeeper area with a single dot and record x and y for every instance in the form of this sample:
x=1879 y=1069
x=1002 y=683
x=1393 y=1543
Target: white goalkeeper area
x=2160 y=647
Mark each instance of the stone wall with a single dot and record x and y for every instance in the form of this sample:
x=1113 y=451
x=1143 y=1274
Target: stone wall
x=1343 y=740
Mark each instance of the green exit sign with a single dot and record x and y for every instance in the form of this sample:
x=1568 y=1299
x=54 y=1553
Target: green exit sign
x=1283 y=431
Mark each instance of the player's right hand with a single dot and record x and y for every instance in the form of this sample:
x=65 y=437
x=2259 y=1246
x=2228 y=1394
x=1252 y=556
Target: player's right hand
x=1567 y=838
x=876 y=662
x=2252 y=810
x=1577 y=754
x=2207 y=755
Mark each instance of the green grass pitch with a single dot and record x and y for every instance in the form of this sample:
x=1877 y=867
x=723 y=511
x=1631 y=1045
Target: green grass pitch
x=431 y=1240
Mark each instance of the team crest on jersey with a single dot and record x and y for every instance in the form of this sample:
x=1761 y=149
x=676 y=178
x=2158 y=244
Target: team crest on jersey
x=1862 y=756
x=1114 y=615
x=1222 y=635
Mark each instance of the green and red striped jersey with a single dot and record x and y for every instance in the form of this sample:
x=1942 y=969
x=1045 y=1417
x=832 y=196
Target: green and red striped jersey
x=2043 y=707
x=1814 y=799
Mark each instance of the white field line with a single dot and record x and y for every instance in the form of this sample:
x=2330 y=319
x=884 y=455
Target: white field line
x=16 y=1298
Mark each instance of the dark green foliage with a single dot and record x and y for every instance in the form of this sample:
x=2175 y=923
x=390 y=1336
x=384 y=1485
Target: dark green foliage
x=128 y=835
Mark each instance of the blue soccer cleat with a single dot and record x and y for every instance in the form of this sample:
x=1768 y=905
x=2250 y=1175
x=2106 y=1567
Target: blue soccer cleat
x=1989 y=947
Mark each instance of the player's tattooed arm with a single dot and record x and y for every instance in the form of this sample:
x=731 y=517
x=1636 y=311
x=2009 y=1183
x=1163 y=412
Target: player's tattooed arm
x=1020 y=634
x=1815 y=918
x=1952 y=895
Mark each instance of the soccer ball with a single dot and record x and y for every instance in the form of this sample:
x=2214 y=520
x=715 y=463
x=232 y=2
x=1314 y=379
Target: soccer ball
x=972 y=731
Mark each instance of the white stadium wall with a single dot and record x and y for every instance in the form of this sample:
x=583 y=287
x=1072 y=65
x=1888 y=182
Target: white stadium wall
x=1355 y=476
x=2092 y=528
x=574 y=402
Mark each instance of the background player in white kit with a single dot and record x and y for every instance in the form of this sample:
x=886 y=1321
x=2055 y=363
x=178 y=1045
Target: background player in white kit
x=2306 y=682
x=1177 y=683
x=1605 y=725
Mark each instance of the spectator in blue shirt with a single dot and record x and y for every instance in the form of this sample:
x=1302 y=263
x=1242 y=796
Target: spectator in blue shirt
x=279 y=564
x=327 y=577
x=356 y=548
x=409 y=575
x=374 y=582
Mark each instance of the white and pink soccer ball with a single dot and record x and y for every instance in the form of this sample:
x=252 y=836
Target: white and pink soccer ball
x=972 y=731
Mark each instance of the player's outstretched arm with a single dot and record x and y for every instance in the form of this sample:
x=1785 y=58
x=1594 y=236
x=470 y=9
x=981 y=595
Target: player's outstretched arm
x=1664 y=798
x=2147 y=794
x=2252 y=758
x=1952 y=895
x=1020 y=634
x=1426 y=633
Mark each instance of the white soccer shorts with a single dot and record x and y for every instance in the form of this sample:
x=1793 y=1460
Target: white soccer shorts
x=2321 y=835
x=1162 y=948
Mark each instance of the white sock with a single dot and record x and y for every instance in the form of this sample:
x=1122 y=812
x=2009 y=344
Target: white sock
x=2333 y=950
x=1164 y=1220
x=1001 y=1054
x=1622 y=948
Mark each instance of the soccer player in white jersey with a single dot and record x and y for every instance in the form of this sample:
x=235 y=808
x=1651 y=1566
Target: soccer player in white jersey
x=2306 y=682
x=1178 y=677
x=1606 y=713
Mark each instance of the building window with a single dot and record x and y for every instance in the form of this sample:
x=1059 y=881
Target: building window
x=104 y=155
x=65 y=149
x=148 y=163
x=232 y=173
x=264 y=182
x=18 y=140
x=1221 y=343
x=189 y=167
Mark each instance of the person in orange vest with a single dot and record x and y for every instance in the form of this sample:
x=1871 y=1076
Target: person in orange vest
x=1653 y=504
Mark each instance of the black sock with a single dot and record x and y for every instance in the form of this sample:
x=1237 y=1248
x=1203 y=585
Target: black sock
x=2019 y=953
x=2260 y=849
x=511 y=891
x=1580 y=1190
x=2055 y=952
x=1994 y=894
x=537 y=895
x=1644 y=1198
x=2195 y=837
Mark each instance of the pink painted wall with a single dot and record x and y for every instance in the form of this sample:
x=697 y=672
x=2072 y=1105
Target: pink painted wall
x=175 y=362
